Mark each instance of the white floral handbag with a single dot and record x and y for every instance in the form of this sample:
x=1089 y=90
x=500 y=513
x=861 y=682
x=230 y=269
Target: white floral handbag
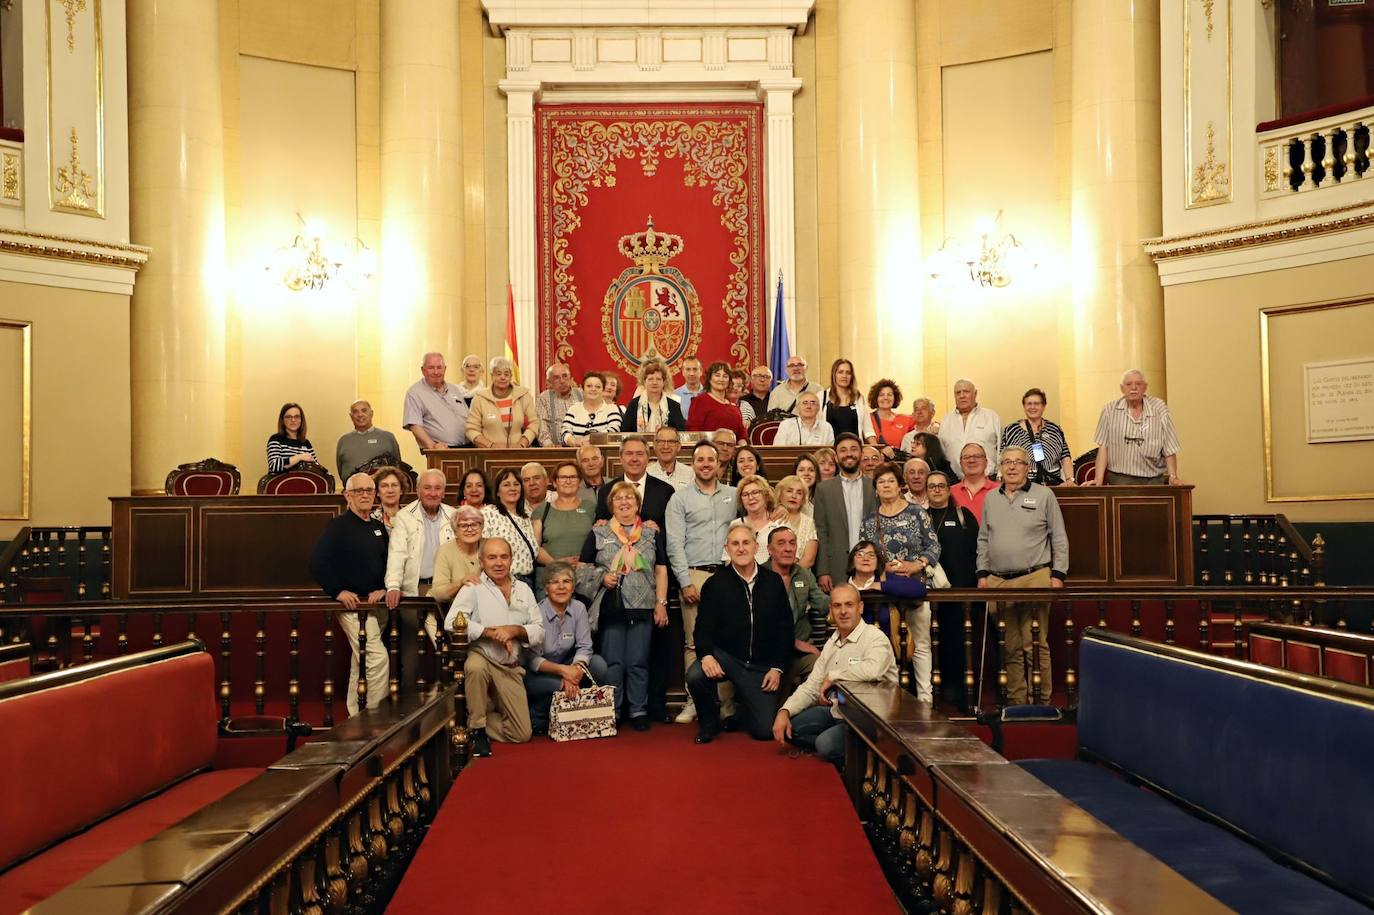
x=591 y=713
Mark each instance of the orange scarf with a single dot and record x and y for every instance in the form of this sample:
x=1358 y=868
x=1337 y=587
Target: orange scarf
x=627 y=560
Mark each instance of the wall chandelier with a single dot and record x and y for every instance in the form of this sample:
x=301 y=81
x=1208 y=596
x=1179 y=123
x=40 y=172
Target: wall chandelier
x=311 y=260
x=984 y=261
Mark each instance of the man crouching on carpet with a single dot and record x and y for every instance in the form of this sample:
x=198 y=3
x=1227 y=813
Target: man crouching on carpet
x=855 y=652
x=743 y=635
x=502 y=618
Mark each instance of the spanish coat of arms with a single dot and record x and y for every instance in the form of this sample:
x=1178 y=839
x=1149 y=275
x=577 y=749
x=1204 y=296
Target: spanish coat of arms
x=651 y=311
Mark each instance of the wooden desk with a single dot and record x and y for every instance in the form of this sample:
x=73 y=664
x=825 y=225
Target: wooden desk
x=221 y=546
x=1118 y=535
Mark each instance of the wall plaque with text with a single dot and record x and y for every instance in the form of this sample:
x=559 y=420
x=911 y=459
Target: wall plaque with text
x=1340 y=401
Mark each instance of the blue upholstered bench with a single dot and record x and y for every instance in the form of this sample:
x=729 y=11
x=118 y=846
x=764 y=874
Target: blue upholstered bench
x=1255 y=784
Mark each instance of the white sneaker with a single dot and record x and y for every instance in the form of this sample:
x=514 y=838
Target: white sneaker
x=688 y=713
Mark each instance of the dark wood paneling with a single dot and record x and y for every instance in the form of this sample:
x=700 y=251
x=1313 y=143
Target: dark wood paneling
x=163 y=564
x=259 y=548
x=1086 y=522
x=1147 y=540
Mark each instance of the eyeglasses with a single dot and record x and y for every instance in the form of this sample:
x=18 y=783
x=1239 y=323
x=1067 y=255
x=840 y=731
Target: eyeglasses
x=971 y=459
x=567 y=478
x=1014 y=462
x=865 y=554
x=937 y=486
x=369 y=490
x=470 y=525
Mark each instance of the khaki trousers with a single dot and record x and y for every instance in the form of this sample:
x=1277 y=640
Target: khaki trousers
x=378 y=663
x=1019 y=667
x=496 y=699
x=689 y=620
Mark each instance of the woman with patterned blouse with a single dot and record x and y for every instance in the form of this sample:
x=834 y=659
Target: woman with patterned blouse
x=631 y=562
x=505 y=517
x=794 y=497
x=907 y=537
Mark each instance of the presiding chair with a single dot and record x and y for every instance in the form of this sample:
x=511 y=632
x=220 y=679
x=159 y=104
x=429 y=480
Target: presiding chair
x=305 y=479
x=762 y=433
x=203 y=478
x=378 y=463
x=1085 y=467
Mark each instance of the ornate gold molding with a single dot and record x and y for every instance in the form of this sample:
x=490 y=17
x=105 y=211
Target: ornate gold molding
x=1207 y=13
x=72 y=7
x=25 y=329
x=1210 y=180
x=68 y=248
x=9 y=177
x=73 y=181
x=1271 y=169
x=1282 y=229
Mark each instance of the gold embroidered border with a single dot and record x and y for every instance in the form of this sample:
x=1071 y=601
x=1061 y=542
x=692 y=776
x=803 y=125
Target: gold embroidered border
x=585 y=152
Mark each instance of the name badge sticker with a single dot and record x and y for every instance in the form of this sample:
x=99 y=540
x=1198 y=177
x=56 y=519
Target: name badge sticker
x=1028 y=502
x=377 y=533
x=854 y=660
x=567 y=636
x=951 y=524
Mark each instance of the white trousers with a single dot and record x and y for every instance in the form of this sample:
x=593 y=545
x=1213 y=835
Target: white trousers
x=918 y=625
x=378 y=666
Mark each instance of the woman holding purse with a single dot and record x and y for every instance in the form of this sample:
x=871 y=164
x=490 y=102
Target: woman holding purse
x=957 y=531
x=904 y=533
x=632 y=562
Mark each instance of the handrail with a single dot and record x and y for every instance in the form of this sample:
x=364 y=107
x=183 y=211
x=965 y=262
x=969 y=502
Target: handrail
x=9 y=559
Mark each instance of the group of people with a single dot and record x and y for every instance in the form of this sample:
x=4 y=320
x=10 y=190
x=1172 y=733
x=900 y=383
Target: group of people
x=568 y=580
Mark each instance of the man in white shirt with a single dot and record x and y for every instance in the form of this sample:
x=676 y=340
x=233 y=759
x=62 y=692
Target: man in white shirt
x=502 y=620
x=417 y=532
x=969 y=422
x=784 y=396
x=666 y=467
x=536 y=480
x=692 y=386
x=806 y=428
x=856 y=652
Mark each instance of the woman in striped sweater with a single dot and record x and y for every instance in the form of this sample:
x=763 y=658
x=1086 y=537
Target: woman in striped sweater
x=289 y=446
x=593 y=414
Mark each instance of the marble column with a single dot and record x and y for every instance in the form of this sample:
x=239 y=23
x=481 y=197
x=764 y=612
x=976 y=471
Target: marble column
x=879 y=213
x=176 y=179
x=1118 y=305
x=780 y=220
x=521 y=96
x=422 y=196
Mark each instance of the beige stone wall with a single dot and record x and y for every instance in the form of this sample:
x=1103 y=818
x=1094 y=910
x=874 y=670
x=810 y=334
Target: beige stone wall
x=80 y=391
x=1212 y=338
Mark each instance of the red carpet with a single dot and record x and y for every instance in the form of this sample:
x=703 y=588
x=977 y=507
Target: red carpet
x=646 y=823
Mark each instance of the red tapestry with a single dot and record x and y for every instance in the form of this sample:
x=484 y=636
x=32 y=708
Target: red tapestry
x=650 y=235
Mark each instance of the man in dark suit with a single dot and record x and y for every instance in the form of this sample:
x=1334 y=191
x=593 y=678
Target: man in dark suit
x=654 y=495
x=842 y=503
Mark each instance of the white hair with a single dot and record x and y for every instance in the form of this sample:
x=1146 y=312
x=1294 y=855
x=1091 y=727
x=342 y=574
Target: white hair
x=964 y=381
x=499 y=363
x=433 y=471
x=1129 y=372
x=930 y=404
x=548 y=372
x=425 y=358
x=922 y=461
x=533 y=465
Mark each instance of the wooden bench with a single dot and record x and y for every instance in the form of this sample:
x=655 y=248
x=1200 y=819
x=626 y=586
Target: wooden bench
x=99 y=758
x=1258 y=779
x=958 y=828
x=1336 y=653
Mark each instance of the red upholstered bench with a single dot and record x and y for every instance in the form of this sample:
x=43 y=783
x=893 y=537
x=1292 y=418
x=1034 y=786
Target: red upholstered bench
x=97 y=759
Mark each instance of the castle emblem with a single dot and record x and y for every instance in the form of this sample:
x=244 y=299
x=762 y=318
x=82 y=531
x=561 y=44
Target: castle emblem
x=651 y=311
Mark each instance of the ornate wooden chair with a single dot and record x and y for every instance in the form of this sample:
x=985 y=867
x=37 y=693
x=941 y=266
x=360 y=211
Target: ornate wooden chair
x=305 y=479
x=378 y=463
x=1085 y=467
x=203 y=478
x=763 y=432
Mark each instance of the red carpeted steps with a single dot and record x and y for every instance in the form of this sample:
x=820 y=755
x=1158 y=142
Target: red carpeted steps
x=646 y=823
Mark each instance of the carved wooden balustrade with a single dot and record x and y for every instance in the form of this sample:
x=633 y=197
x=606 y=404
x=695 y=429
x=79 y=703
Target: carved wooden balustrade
x=284 y=656
x=1249 y=550
x=71 y=563
x=1208 y=619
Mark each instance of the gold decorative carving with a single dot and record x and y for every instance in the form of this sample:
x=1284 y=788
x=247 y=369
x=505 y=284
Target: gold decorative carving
x=1164 y=249
x=25 y=384
x=1271 y=169
x=1207 y=13
x=9 y=177
x=67 y=248
x=73 y=7
x=74 y=182
x=1210 y=179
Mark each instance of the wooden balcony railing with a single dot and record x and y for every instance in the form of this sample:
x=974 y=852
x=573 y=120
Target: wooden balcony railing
x=1255 y=550
x=1208 y=619
x=283 y=657
x=56 y=564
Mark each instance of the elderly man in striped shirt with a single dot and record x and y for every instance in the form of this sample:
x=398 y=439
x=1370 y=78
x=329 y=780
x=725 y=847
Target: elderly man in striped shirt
x=1136 y=440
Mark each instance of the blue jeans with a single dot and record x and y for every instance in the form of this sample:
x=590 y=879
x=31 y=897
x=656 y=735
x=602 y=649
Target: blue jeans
x=816 y=729
x=540 y=688
x=626 y=648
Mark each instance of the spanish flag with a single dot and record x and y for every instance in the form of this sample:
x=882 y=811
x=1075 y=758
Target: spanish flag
x=512 y=349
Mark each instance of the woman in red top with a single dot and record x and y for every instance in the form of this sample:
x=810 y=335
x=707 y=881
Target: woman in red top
x=888 y=426
x=712 y=409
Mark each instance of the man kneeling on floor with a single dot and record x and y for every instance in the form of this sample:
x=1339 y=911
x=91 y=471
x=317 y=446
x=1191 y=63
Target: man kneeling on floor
x=855 y=652
x=743 y=635
x=502 y=619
